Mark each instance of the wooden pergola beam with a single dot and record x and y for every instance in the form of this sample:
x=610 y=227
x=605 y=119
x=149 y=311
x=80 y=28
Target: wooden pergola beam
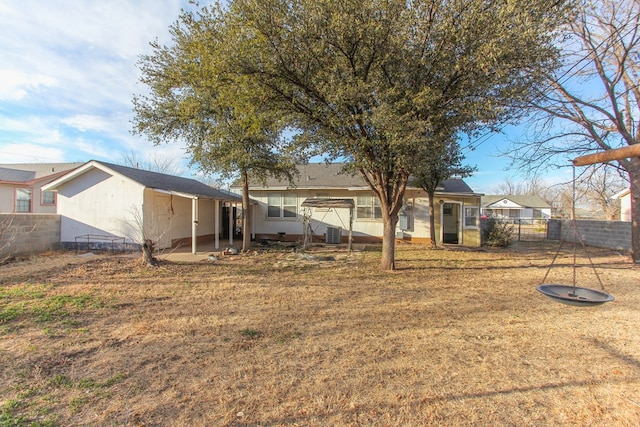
x=608 y=156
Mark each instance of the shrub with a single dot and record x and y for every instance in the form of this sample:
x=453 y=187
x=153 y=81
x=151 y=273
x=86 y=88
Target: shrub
x=497 y=233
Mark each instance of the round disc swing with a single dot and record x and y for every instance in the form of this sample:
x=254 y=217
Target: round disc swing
x=572 y=294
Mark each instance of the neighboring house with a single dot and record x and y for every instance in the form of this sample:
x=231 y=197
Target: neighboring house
x=625 y=204
x=515 y=207
x=288 y=212
x=20 y=184
x=106 y=202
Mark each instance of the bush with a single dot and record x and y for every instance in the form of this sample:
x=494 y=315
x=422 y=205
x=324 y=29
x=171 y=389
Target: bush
x=497 y=233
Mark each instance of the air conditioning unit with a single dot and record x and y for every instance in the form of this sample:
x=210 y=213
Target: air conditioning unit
x=333 y=235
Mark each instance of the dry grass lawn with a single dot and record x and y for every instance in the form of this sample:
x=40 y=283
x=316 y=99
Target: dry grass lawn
x=275 y=339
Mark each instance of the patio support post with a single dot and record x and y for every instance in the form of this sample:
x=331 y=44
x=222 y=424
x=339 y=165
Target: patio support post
x=350 y=229
x=230 y=224
x=216 y=227
x=194 y=225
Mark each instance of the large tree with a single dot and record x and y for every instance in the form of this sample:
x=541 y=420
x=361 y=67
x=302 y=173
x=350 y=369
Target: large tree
x=377 y=79
x=197 y=98
x=592 y=104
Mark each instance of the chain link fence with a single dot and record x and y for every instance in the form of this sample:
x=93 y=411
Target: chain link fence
x=525 y=229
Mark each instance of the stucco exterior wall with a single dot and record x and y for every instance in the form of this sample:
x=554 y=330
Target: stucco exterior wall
x=416 y=208
x=417 y=211
x=625 y=208
x=168 y=218
x=99 y=203
x=470 y=235
x=8 y=198
x=321 y=219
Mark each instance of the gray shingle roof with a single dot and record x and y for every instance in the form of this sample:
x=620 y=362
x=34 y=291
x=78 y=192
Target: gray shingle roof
x=22 y=172
x=16 y=175
x=454 y=185
x=166 y=182
x=316 y=175
x=331 y=176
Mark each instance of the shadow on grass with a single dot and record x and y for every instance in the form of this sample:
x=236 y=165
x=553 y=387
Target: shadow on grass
x=628 y=359
x=527 y=389
x=327 y=418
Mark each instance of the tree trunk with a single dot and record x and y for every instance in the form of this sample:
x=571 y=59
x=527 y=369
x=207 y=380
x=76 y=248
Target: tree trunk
x=432 y=219
x=634 y=178
x=147 y=254
x=246 y=217
x=389 y=241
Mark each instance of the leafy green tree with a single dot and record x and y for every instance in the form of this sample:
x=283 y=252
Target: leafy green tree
x=196 y=97
x=376 y=78
x=431 y=171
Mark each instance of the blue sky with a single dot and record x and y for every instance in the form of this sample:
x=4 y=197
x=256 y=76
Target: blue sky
x=68 y=74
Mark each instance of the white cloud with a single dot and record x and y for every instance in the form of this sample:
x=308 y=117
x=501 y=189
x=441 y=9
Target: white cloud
x=69 y=73
x=90 y=48
x=16 y=85
x=31 y=153
x=88 y=122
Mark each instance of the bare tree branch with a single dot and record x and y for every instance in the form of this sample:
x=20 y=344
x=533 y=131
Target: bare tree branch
x=594 y=103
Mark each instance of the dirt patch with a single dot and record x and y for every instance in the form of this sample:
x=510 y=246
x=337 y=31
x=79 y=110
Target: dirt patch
x=452 y=337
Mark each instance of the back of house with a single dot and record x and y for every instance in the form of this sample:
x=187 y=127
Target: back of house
x=292 y=211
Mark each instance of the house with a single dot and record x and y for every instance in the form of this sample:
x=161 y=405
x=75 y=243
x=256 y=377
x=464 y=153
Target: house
x=625 y=204
x=113 y=204
x=516 y=207
x=325 y=203
x=20 y=186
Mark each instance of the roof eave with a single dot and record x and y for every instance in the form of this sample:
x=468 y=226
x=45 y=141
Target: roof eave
x=230 y=198
x=92 y=164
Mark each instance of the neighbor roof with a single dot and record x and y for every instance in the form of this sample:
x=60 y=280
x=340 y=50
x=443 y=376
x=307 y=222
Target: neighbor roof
x=154 y=180
x=527 y=201
x=25 y=172
x=325 y=176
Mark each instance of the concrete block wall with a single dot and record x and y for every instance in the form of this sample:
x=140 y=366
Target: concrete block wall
x=28 y=234
x=604 y=234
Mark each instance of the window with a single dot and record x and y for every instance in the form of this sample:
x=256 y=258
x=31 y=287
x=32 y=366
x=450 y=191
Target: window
x=368 y=207
x=48 y=198
x=471 y=217
x=23 y=200
x=282 y=205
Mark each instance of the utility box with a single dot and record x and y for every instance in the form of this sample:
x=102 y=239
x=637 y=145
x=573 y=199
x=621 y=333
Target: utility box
x=333 y=235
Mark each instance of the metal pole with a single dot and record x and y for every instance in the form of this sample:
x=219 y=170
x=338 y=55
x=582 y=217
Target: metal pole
x=350 y=229
x=194 y=225
x=230 y=224
x=216 y=226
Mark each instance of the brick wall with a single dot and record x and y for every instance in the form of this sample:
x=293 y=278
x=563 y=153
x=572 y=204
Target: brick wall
x=28 y=234
x=604 y=234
